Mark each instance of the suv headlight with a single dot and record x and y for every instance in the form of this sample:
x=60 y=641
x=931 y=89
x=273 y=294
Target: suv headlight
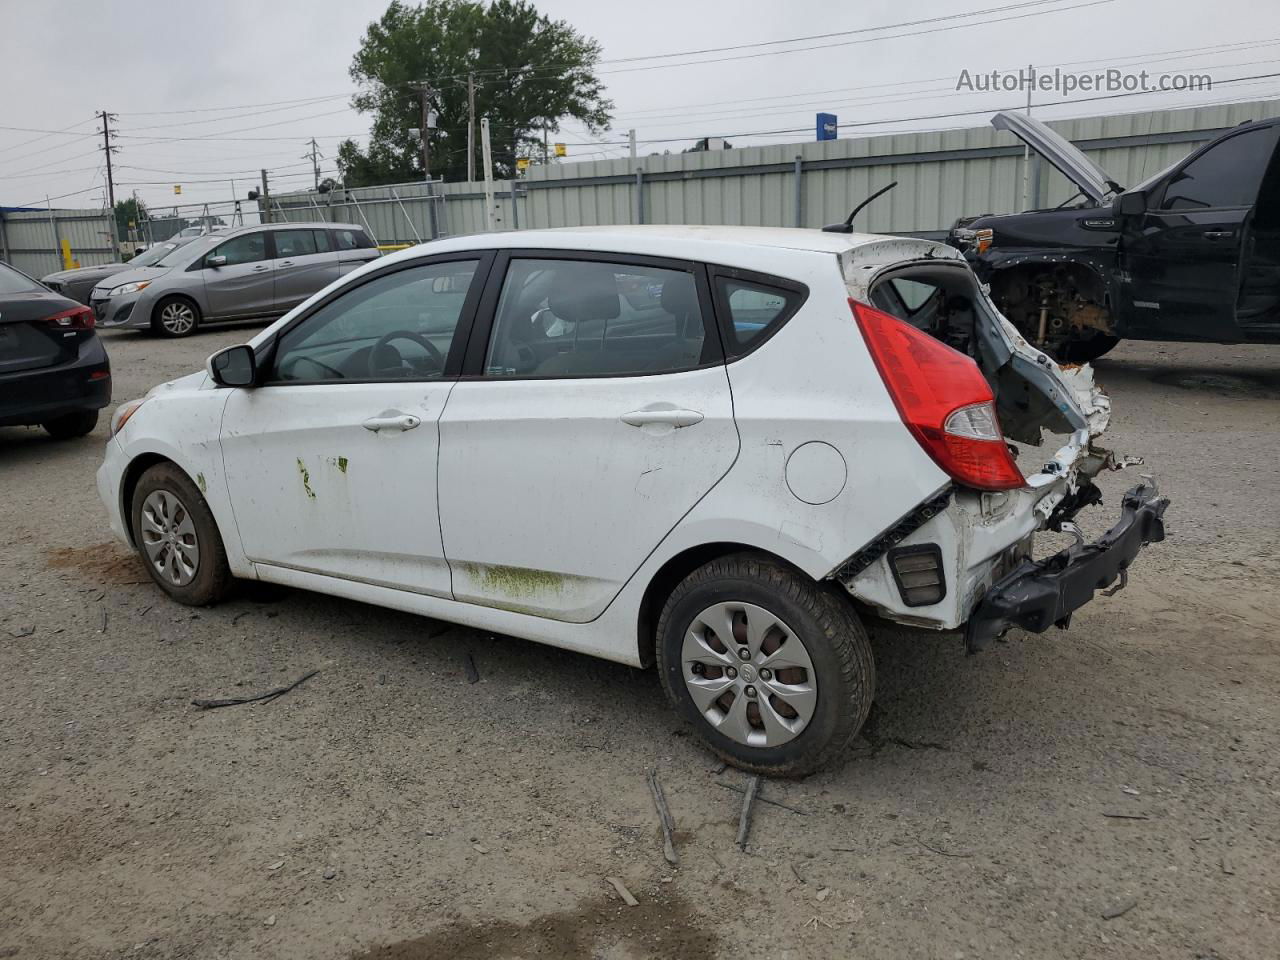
x=124 y=288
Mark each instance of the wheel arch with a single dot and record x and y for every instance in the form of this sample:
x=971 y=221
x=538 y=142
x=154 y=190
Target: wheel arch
x=668 y=576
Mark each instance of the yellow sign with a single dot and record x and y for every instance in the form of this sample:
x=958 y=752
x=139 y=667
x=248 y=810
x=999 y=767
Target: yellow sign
x=522 y=163
x=561 y=150
x=177 y=188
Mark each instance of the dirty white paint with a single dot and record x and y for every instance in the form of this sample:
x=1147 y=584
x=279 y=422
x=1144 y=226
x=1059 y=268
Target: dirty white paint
x=544 y=508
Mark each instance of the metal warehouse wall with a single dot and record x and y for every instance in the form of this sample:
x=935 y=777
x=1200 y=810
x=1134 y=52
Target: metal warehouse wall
x=941 y=176
x=31 y=240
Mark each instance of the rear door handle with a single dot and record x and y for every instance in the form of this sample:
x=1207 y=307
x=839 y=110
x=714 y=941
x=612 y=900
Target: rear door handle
x=1219 y=234
x=398 y=421
x=674 y=417
x=286 y=263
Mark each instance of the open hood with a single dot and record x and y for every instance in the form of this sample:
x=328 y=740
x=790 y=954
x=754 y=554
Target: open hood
x=1070 y=161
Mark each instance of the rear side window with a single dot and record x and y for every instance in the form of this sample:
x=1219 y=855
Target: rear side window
x=11 y=281
x=584 y=318
x=348 y=239
x=752 y=310
x=295 y=243
x=1226 y=175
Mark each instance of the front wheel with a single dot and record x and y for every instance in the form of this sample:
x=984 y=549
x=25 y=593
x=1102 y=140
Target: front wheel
x=1086 y=351
x=774 y=671
x=175 y=317
x=177 y=537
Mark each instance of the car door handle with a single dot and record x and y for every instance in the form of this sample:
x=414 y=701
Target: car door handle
x=674 y=417
x=1219 y=234
x=285 y=263
x=260 y=269
x=399 y=421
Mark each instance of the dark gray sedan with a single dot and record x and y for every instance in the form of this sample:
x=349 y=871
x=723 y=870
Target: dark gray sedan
x=79 y=283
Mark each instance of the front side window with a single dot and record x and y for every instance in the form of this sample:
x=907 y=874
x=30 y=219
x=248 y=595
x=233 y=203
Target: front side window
x=295 y=243
x=399 y=326
x=1226 y=175
x=754 y=310
x=582 y=318
x=246 y=248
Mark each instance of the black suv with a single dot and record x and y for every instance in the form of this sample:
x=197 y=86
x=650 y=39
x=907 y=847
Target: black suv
x=1192 y=253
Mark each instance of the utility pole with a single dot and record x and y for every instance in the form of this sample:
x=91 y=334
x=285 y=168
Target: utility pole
x=631 y=139
x=108 y=149
x=314 y=156
x=424 y=88
x=545 y=152
x=471 y=126
x=266 y=198
x=490 y=213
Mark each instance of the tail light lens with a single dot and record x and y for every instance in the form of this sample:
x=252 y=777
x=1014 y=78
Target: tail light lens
x=81 y=318
x=942 y=398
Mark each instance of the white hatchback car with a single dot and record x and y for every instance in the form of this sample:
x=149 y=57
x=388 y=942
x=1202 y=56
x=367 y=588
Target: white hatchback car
x=717 y=449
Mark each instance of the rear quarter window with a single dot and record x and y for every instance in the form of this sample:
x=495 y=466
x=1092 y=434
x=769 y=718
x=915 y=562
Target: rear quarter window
x=752 y=307
x=351 y=239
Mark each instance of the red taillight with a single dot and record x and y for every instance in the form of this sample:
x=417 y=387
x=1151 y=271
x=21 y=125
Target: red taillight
x=81 y=318
x=942 y=398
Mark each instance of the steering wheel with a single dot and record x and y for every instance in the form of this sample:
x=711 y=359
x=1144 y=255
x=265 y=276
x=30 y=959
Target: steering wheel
x=375 y=370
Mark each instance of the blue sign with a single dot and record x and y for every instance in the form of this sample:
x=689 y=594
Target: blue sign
x=826 y=126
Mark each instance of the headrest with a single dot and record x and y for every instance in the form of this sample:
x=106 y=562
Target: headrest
x=586 y=291
x=679 y=295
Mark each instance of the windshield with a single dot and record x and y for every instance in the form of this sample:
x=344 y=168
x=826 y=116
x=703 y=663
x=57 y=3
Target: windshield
x=157 y=253
x=11 y=281
x=182 y=250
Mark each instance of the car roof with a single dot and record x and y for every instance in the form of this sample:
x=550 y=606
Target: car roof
x=291 y=225
x=693 y=242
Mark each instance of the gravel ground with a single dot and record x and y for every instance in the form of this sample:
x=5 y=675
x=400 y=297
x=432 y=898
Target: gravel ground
x=1002 y=805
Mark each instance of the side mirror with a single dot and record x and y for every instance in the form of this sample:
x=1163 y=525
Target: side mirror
x=1130 y=204
x=233 y=367
x=215 y=262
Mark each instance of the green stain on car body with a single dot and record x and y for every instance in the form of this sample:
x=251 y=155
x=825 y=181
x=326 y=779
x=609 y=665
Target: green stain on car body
x=342 y=464
x=200 y=482
x=306 y=479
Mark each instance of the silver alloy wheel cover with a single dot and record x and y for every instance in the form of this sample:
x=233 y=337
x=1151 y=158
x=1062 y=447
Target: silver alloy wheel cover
x=177 y=317
x=705 y=692
x=169 y=537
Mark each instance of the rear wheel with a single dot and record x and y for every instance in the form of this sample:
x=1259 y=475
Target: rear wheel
x=774 y=671
x=72 y=425
x=176 y=535
x=175 y=317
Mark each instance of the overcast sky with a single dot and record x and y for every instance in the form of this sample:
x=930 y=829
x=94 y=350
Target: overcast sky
x=211 y=70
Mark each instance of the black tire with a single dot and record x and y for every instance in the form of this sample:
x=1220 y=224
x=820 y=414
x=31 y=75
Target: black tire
x=831 y=634
x=211 y=579
x=72 y=425
x=1086 y=351
x=161 y=323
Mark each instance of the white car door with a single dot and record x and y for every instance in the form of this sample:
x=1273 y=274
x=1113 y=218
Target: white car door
x=594 y=415
x=331 y=463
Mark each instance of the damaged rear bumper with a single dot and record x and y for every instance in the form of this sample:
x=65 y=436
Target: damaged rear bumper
x=1040 y=593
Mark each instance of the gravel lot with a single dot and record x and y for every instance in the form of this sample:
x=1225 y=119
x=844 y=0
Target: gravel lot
x=389 y=808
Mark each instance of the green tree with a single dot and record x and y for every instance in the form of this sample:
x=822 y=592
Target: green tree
x=126 y=210
x=530 y=73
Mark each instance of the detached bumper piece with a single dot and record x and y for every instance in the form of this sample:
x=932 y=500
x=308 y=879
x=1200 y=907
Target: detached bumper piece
x=1040 y=593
